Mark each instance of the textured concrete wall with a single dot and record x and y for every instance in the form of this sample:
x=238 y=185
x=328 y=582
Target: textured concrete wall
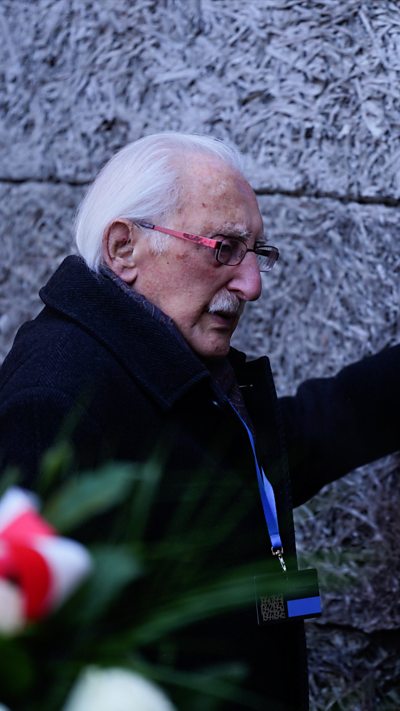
x=310 y=92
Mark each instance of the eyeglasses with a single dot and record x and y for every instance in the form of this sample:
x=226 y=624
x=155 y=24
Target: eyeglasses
x=228 y=250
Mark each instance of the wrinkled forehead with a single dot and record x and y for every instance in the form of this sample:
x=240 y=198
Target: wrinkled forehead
x=217 y=193
x=215 y=177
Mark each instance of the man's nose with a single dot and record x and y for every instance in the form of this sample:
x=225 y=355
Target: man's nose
x=246 y=278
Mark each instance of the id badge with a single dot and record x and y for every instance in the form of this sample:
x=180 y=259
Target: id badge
x=289 y=596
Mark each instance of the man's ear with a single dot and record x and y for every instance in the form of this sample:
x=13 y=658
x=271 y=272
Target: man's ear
x=118 y=249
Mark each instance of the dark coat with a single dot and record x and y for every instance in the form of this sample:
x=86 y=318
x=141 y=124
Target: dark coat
x=113 y=374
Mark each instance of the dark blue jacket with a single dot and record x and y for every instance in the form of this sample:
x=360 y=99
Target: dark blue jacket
x=114 y=376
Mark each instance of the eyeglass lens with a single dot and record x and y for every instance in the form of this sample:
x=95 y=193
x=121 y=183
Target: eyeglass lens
x=232 y=252
x=267 y=260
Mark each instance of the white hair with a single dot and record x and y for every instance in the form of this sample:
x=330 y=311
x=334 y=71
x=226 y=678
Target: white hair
x=143 y=181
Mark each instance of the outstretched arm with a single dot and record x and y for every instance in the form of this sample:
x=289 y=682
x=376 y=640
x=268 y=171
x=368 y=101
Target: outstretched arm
x=334 y=425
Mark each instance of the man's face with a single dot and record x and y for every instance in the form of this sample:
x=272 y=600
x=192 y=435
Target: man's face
x=204 y=298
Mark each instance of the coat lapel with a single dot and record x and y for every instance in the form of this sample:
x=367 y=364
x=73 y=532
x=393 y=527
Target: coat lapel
x=151 y=350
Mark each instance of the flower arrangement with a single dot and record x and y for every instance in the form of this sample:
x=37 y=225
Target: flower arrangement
x=93 y=607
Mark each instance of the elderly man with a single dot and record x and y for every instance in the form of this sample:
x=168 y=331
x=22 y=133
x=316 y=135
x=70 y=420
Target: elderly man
x=132 y=351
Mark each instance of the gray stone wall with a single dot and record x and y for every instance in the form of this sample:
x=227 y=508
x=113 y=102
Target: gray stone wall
x=309 y=91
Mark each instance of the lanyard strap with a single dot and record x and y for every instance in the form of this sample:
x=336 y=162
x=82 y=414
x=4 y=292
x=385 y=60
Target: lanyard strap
x=267 y=499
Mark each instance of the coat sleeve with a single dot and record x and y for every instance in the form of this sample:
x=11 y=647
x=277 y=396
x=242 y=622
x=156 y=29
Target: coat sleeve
x=334 y=425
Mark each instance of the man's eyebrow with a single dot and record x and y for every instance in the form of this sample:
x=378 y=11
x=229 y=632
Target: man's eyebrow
x=230 y=229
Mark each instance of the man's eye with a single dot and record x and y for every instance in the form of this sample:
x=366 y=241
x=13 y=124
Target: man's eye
x=226 y=248
x=231 y=251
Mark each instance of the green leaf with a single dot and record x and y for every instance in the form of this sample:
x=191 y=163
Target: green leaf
x=114 y=568
x=218 y=683
x=54 y=464
x=16 y=669
x=231 y=592
x=90 y=494
x=9 y=478
x=146 y=493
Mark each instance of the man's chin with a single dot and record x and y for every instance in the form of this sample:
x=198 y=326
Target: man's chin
x=217 y=348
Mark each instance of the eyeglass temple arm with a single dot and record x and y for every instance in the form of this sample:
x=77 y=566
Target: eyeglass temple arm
x=205 y=241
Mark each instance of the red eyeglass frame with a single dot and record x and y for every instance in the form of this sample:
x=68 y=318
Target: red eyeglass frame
x=214 y=243
x=205 y=241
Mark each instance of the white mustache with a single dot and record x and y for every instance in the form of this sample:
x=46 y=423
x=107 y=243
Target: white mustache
x=226 y=302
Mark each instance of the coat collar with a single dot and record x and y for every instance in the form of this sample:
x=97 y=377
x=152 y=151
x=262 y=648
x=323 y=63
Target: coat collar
x=140 y=337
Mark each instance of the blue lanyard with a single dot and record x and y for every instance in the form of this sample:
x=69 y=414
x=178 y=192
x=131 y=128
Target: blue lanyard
x=267 y=500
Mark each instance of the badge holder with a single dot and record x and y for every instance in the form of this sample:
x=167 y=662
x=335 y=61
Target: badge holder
x=284 y=596
x=287 y=596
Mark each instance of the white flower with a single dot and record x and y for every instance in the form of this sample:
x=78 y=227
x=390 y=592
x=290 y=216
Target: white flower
x=12 y=616
x=115 y=690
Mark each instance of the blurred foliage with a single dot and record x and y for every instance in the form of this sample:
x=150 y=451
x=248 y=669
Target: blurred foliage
x=145 y=590
x=135 y=599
